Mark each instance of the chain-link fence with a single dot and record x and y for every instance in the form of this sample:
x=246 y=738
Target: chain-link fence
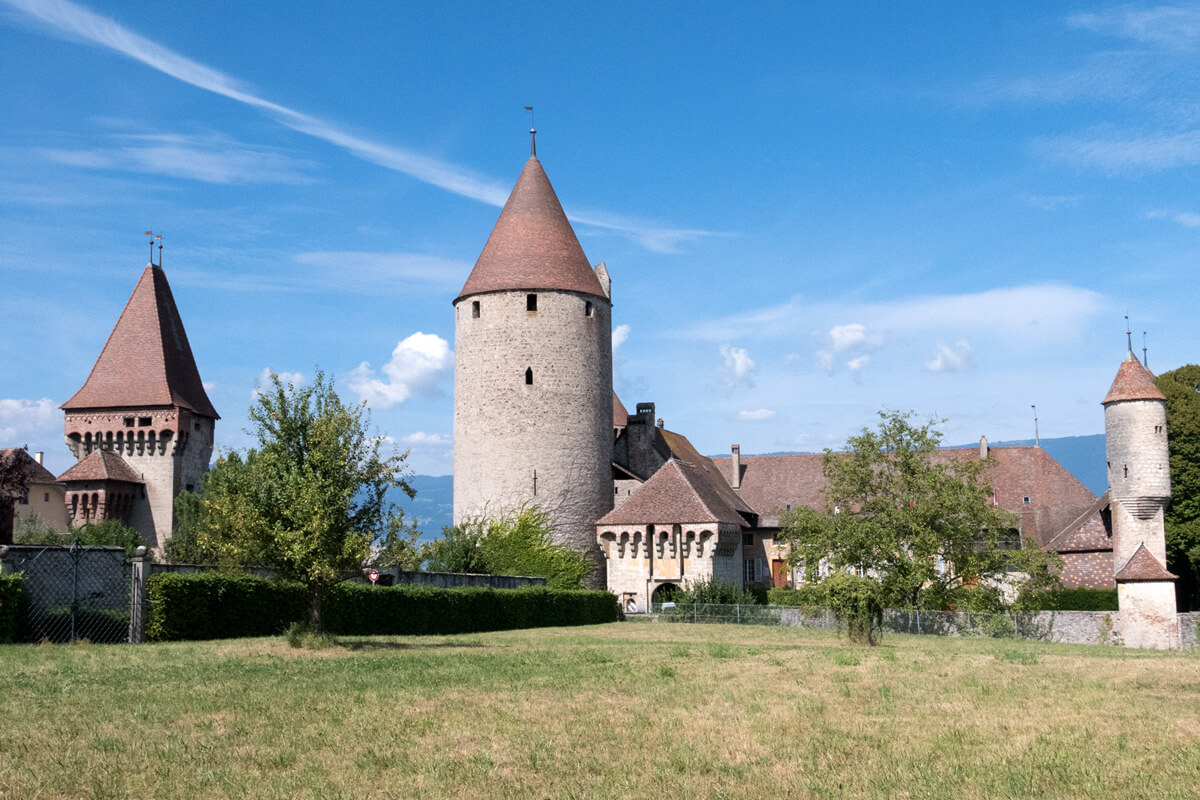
x=72 y=593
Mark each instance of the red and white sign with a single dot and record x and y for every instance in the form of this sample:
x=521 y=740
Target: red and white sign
x=373 y=575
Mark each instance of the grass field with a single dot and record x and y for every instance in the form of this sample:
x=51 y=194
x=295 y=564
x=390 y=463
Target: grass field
x=616 y=711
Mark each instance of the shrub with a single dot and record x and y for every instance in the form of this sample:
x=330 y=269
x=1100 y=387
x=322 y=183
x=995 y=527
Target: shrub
x=1069 y=600
x=10 y=600
x=712 y=591
x=811 y=595
x=218 y=605
x=857 y=604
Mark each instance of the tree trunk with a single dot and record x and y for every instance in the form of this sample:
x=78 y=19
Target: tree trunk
x=7 y=520
x=315 y=593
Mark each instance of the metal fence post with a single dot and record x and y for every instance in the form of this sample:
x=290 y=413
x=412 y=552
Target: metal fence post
x=137 y=597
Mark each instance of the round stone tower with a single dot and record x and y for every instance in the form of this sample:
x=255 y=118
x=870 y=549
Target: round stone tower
x=1139 y=476
x=533 y=373
x=1139 y=486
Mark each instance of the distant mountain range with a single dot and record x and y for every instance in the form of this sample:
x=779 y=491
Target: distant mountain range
x=433 y=506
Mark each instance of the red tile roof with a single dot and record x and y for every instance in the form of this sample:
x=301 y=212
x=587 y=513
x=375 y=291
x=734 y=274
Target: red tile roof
x=1056 y=497
x=1091 y=531
x=1143 y=566
x=147 y=360
x=678 y=492
x=1133 y=382
x=620 y=415
x=683 y=450
x=533 y=245
x=35 y=473
x=101 y=465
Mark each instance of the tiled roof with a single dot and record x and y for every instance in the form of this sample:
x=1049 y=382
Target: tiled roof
x=36 y=473
x=1143 y=566
x=683 y=450
x=101 y=465
x=147 y=360
x=1056 y=497
x=1133 y=382
x=678 y=492
x=533 y=245
x=1091 y=531
x=620 y=415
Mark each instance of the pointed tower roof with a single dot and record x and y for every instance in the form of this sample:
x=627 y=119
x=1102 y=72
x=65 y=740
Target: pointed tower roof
x=101 y=465
x=1143 y=566
x=147 y=360
x=677 y=492
x=532 y=245
x=1133 y=382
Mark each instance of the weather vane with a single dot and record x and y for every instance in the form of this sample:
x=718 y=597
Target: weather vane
x=1145 y=354
x=153 y=239
x=532 y=132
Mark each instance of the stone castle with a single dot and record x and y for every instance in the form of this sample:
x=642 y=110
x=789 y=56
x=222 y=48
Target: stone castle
x=536 y=421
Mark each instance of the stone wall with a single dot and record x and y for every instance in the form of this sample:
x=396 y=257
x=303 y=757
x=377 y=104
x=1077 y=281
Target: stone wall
x=548 y=441
x=1139 y=476
x=454 y=580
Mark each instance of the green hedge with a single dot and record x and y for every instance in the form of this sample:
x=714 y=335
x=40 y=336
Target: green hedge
x=1071 y=600
x=10 y=601
x=795 y=598
x=218 y=605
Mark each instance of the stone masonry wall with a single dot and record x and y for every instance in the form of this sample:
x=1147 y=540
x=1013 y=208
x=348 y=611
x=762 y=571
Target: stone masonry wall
x=1139 y=477
x=548 y=442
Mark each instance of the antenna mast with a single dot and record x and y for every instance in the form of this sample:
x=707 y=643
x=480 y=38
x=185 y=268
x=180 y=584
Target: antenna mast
x=532 y=132
x=1145 y=354
x=1037 y=438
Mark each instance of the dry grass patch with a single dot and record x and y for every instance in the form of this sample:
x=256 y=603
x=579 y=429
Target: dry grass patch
x=605 y=712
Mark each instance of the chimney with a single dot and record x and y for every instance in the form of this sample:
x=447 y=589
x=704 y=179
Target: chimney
x=735 y=475
x=660 y=422
x=38 y=456
x=983 y=448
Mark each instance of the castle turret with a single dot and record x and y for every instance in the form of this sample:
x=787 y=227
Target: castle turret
x=1139 y=485
x=533 y=408
x=141 y=427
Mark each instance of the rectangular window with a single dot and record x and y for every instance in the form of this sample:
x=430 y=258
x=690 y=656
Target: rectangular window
x=747 y=540
x=24 y=497
x=531 y=302
x=144 y=422
x=46 y=497
x=129 y=422
x=475 y=309
x=753 y=572
x=588 y=310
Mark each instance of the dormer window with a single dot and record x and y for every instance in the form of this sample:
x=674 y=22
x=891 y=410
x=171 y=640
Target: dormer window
x=531 y=302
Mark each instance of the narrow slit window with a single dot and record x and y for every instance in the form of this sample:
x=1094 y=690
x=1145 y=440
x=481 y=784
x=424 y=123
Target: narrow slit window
x=475 y=309
x=531 y=302
x=588 y=310
x=529 y=376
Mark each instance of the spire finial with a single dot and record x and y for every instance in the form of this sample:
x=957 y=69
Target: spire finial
x=1129 y=356
x=1145 y=354
x=532 y=134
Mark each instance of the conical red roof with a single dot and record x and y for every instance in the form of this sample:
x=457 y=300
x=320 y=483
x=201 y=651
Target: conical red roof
x=1143 y=566
x=147 y=360
x=1133 y=382
x=533 y=245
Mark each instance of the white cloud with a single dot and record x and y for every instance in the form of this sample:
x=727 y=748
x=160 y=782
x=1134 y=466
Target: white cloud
x=756 y=415
x=843 y=339
x=427 y=439
x=417 y=367
x=208 y=385
x=264 y=380
x=212 y=158
x=1124 y=152
x=1188 y=219
x=620 y=335
x=71 y=21
x=951 y=359
x=739 y=367
x=1176 y=27
x=20 y=418
x=375 y=269
x=855 y=364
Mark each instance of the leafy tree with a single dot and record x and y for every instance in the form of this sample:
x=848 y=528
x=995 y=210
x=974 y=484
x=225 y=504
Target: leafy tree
x=309 y=500
x=915 y=522
x=400 y=546
x=712 y=591
x=1181 y=387
x=857 y=604
x=16 y=469
x=518 y=543
x=107 y=532
x=185 y=546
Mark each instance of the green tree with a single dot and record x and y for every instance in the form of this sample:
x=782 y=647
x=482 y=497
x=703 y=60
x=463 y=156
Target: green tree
x=107 y=532
x=310 y=499
x=914 y=521
x=16 y=470
x=185 y=546
x=517 y=543
x=400 y=546
x=1181 y=387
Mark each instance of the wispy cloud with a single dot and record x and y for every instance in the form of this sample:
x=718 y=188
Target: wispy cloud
x=1177 y=27
x=1124 y=152
x=851 y=339
x=738 y=367
x=420 y=438
x=757 y=415
x=951 y=359
x=620 y=335
x=1188 y=219
x=21 y=418
x=263 y=380
x=418 y=365
x=73 y=21
x=212 y=158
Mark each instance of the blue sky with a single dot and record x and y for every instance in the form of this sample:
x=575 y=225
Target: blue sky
x=810 y=212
